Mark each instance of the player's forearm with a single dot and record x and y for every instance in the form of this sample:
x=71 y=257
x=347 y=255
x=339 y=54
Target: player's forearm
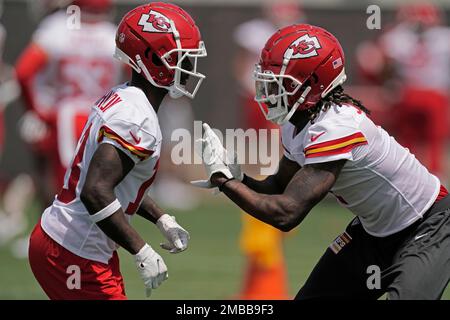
x=278 y=210
x=276 y=183
x=116 y=227
x=267 y=186
x=149 y=210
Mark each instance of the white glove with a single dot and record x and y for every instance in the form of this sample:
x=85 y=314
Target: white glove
x=235 y=168
x=151 y=267
x=177 y=236
x=214 y=157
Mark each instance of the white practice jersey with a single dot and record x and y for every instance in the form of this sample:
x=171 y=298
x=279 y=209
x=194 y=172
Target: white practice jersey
x=420 y=60
x=80 y=61
x=125 y=119
x=381 y=182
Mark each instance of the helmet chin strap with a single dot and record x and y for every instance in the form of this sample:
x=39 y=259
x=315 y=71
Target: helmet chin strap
x=295 y=106
x=147 y=75
x=175 y=93
x=137 y=65
x=280 y=120
x=174 y=90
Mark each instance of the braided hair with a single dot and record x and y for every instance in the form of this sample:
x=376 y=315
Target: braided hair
x=338 y=97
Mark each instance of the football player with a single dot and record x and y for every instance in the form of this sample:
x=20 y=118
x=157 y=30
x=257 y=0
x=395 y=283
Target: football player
x=116 y=162
x=262 y=245
x=63 y=70
x=331 y=146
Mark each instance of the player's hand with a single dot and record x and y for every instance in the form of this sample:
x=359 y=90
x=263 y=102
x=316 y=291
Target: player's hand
x=151 y=267
x=235 y=167
x=177 y=237
x=214 y=157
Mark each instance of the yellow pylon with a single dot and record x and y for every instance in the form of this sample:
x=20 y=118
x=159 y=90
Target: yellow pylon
x=265 y=274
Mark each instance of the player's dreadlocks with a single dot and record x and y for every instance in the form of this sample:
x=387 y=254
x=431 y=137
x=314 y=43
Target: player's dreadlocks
x=338 y=97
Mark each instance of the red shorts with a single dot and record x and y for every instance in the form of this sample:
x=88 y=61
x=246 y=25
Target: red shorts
x=56 y=270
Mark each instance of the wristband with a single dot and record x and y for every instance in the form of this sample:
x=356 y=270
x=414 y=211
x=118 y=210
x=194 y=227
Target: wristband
x=106 y=211
x=224 y=183
x=164 y=218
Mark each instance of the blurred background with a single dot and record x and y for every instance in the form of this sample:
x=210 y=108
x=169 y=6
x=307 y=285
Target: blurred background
x=50 y=76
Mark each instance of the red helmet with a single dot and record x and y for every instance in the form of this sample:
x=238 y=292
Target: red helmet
x=94 y=6
x=300 y=64
x=158 y=39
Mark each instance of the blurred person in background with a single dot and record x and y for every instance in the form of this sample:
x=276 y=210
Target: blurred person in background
x=411 y=60
x=16 y=193
x=261 y=244
x=63 y=70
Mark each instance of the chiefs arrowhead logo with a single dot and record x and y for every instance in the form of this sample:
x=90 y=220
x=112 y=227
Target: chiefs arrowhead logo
x=303 y=47
x=154 y=22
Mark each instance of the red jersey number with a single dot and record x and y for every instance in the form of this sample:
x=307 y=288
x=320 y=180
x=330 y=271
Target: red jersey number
x=68 y=193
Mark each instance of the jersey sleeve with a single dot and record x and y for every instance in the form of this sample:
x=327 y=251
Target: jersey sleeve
x=287 y=152
x=334 y=140
x=286 y=133
x=129 y=137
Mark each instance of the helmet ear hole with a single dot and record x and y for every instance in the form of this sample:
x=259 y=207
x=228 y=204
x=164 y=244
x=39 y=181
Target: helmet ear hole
x=315 y=78
x=156 y=60
x=146 y=53
x=292 y=100
x=306 y=84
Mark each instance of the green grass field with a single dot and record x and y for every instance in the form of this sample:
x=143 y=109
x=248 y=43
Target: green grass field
x=211 y=267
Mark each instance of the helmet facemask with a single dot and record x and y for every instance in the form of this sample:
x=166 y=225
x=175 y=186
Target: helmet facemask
x=273 y=92
x=185 y=70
